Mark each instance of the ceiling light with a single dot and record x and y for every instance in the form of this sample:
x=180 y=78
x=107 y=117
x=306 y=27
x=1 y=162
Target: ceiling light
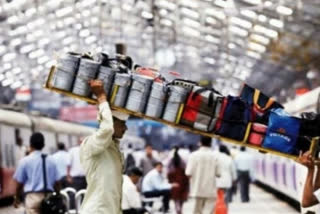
x=268 y=3
x=87 y=3
x=127 y=7
x=64 y=11
x=238 y=31
x=257 y=47
x=249 y=13
x=256 y=2
x=68 y=40
x=190 y=13
x=7 y=66
x=284 y=10
x=2 y=49
x=167 y=4
x=276 y=23
x=43 y=42
x=17 y=70
x=146 y=15
x=166 y=22
x=7 y=82
x=241 y=22
x=212 y=39
x=191 y=23
x=231 y=45
x=84 y=33
x=90 y=39
x=86 y=13
x=216 y=13
x=266 y=31
x=13 y=19
x=209 y=60
x=262 y=18
x=9 y=56
x=254 y=54
x=260 y=39
x=43 y=59
x=36 y=53
x=191 y=31
x=188 y=3
x=50 y=63
x=16 y=85
x=163 y=12
x=30 y=12
x=15 y=42
x=2 y=77
x=224 y=3
x=211 y=20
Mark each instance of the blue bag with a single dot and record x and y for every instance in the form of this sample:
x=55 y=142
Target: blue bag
x=282 y=132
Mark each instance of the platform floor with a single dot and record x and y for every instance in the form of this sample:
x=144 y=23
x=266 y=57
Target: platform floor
x=261 y=202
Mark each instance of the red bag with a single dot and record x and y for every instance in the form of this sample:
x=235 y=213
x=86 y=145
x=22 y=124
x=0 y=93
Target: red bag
x=257 y=134
x=220 y=207
x=221 y=113
x=202 y=108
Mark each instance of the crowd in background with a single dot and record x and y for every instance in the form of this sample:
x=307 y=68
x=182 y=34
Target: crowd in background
x=181 y=174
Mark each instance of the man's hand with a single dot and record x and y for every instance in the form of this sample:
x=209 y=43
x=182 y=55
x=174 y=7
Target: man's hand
x=307 y=160
x=175 y=185
x=69 y=179
x=16 y=202
x=98 y=90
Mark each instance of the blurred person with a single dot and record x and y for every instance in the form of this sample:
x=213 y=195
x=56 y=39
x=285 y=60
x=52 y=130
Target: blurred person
x=176 y=174
x=131 y=203
x=20 y=150
x=62 y=161
x=102 y=160
x=29 y=176
x=244 y=167
x=154 y=184
x=129 y=159
x=311 y=191
x=228 y=173
x=148 y=161
x=75 y=172
x=202 y=170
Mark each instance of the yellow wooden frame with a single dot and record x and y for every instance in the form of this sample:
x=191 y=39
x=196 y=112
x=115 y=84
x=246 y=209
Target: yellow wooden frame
x=313 y=147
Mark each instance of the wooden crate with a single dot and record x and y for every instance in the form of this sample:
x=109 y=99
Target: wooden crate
x=313 y=147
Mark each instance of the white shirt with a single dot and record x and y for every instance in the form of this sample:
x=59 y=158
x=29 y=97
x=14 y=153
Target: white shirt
x=76 y=167
x=130 y=194
x=203 y=168
x=103 y=163
x=154 y=181
x=244 y=162
x=228 y=171
x=62 y=161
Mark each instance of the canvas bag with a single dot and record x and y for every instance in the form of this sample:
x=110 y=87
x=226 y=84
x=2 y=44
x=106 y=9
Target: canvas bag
x=261 y=103
x=234 y=117
x=282 y=132
x=202 y=108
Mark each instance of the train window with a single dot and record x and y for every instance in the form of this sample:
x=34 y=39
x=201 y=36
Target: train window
x=7 y=134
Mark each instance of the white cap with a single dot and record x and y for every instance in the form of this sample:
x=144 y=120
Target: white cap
x=120 y=115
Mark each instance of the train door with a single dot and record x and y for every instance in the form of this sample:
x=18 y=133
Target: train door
x=7 y=142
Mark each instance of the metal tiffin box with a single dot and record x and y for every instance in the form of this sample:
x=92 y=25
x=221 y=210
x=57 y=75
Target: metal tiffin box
x=66 y=71
x=106 y=75
x=156 y=100
x=87 y=71
x=176 y=100
x=139 y=93
x=120 y=89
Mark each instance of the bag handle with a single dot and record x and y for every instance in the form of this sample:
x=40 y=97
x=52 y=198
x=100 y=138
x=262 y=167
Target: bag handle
x=256 y=98
x=201 y=90
x=44 y=173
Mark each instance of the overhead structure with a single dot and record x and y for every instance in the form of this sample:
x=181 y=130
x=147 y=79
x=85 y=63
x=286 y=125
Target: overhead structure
x=272 y=45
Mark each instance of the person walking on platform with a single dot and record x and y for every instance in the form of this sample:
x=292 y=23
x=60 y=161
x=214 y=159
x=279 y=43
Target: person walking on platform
x=148 y=161
x=30 y=177
x=176 y=174
x=102 y=160
x=202 y=170
x=62 y=161
x=131 y=203
x=154 y=184
x=228 y=173
x=244 y=166
x=75 y=172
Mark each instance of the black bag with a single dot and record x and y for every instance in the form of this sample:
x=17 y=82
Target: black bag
x=52 y=203
x=310 y=124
